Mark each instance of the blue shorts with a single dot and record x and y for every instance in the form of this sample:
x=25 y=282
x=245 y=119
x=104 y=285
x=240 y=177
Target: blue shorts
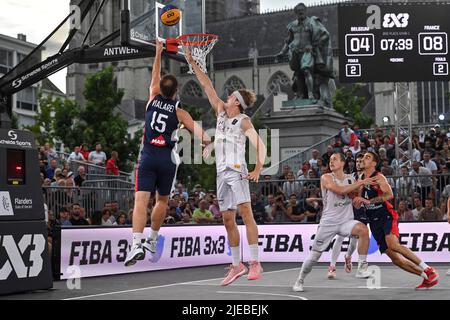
x=156 y=172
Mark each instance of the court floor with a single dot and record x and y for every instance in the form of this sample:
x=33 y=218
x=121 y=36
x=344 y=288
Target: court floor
x=276 y=284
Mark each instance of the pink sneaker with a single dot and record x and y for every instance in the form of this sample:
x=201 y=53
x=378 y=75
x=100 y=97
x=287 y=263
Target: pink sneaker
x=234 y=273
x=331 y=272
x=255 y=270
x=348 y=264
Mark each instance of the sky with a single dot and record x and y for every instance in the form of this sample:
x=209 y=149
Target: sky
x=37 y=18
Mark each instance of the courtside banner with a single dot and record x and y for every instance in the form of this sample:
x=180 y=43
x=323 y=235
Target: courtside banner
x=102 y=251
x=292 y=243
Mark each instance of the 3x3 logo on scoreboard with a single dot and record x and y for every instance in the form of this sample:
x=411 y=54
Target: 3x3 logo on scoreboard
x=394 y=42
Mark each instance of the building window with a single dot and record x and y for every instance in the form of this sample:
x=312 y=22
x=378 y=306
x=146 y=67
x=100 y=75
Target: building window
x=192 y=89
x=277 y=82
x=6 y=60
x=27 y=99
x=233 y=84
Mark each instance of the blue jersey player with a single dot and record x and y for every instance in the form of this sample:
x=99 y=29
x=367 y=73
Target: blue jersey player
x=159 y=160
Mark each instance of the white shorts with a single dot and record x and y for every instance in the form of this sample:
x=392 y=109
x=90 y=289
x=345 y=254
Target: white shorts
x=326 y=233
x=232 y=190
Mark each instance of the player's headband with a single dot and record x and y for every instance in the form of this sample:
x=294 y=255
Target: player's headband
x=238 y=95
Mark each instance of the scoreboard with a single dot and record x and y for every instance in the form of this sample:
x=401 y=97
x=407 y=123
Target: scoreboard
x=394 y=42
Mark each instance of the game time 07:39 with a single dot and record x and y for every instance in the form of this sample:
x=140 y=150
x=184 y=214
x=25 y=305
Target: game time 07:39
x=396 y=44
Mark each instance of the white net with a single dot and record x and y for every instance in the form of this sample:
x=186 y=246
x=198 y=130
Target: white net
x=200 y=46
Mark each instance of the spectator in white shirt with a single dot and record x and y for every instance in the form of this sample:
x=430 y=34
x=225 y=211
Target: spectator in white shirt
x=346 y=134
x=291 y=186
x=356 y=148
x=417 y=208
x=428 y=163
x=424 y=183
x=404 y=184
x=97 y=157
x=313 y=161
x=76 y=155
x=416 y=156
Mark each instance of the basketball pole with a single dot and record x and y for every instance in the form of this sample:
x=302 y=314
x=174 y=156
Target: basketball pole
x=125 y=23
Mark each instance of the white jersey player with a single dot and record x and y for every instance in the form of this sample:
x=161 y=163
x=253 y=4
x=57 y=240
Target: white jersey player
x=233 y=192
x=360 y=215
x=337 y=218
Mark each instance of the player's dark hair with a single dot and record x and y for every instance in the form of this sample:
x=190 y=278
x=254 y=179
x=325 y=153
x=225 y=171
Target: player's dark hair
x=168 y=85
x=375 y=157
x=341 y=155
x=360 y=155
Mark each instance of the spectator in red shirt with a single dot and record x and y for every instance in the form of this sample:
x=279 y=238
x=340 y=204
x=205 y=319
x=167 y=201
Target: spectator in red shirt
x=111 y=166
x=85 y=151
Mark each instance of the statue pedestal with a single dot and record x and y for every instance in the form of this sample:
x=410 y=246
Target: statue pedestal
x=303 y=123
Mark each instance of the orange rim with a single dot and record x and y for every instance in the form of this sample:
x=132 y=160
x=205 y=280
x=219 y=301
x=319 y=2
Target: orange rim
x=207 y=39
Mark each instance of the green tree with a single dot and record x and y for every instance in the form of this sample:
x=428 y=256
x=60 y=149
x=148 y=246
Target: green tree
x=14 y=121
x=66 y=116
x=348 y=102
x=100 y=122
x=44 y=124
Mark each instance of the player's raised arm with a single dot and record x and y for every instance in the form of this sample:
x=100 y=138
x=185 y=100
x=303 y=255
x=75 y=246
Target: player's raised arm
x=216 y=102
x=185 y=118
x=258 y=144
x=327 y=182
x=156 y=71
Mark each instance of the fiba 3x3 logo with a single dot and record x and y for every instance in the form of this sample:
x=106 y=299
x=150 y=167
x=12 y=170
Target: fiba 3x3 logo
x=390 y=20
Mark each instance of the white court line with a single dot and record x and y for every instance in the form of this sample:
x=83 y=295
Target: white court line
x=164 y=286
x=263 y=294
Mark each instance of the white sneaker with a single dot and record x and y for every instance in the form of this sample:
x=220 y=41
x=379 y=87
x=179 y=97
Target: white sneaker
x=298 y=286
x=136 y=253
x=150 y=245
x=331 y=272
x=448 y=272
x=362 y=272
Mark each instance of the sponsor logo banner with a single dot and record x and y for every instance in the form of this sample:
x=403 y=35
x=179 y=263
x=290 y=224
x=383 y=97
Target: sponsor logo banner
x=103 y=251
x=292 y=243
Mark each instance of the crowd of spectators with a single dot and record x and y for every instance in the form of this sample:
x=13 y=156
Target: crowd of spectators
x=420 y=182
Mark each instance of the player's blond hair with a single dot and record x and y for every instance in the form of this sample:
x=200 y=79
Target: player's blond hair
x=249 y=97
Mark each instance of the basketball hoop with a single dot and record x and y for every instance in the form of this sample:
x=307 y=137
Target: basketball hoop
x=200 y=45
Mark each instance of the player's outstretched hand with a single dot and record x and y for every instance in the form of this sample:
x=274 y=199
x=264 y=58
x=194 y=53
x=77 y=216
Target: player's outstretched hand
x=159 y=46
x=254 y=176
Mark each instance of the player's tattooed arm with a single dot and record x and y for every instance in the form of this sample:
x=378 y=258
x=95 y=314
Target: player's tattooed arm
x=381 y=199
x=385 y=188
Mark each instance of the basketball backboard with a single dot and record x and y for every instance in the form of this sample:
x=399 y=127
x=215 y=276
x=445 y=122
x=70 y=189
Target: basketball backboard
x=145 y=24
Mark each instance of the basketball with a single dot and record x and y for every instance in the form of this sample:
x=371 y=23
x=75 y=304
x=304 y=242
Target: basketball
x=170 y=15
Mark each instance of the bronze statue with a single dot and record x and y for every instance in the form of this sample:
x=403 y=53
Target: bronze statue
x=310 y=57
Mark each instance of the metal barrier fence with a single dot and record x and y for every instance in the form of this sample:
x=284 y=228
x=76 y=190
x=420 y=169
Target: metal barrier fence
x=95 y=172
x=89 y=198
x=405 y=188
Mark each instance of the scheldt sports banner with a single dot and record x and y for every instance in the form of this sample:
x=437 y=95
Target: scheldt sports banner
x=293 y=242
x=102 y=251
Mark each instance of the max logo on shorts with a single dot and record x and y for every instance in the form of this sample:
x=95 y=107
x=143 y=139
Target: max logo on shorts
x=159 y=142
